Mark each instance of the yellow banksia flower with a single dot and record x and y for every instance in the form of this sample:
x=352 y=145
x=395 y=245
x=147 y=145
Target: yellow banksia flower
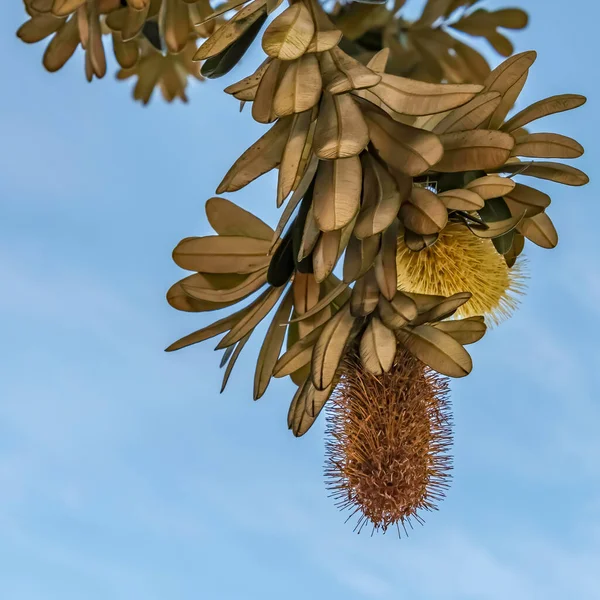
x=388 y=440
x=461 y=261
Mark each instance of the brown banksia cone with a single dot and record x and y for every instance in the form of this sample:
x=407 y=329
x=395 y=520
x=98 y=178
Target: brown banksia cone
x=389 y=436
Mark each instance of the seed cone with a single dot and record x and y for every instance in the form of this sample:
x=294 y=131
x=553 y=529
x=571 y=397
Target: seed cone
x=388 y=440
x=460 y=262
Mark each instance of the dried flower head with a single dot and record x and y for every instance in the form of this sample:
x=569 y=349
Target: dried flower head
x=388 y=442
x=460 y=261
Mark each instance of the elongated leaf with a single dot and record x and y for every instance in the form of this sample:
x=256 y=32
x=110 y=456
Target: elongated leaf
x=228 y=219
x=425 y=213
x=444 y=309
x=551 y=171
x=547 y=145
x=508 y=79
x=251 y=284
x=261 y=157
x=515 y=250
x=424 y=302
x=306 y=292
x=234 y=356
x=62 y=46
x=337 y=193
x=329 y=349
x=263 y=107
x=341 y=130
x=326 y=254
x=497 y=228
x=411 y=97
x=523 y=197
x=176 y=25
x=379 y=60
x=464 y=331
x=342 y=73
x=326 y=35
x=297 y=155
x=543 y=108
x=38 y=28
x=248 y=84
x=297 y=196
x=221 y=254
x=385 y=262
x=417 y=242
x=310 y=236
x=377 y=347
x=511 y=18
x=179 y=300
x=257 y=311
x=208 y=332
x=491 y=186
x=282 y=264
x=315 y=402
x=365 y=295
x=298 y=355
x=289 y=34
x=381 y=199
x=540 y=230
x=306 y=406
x=226 y=356
x=300 y=87
x=269 y=352
x=470 y=116
x=480 y=149
x=397 y=313
x=494 y=210
x=220 y=10
x=409 y=150
x=461 y=199
x=360 y=256
x=233 y=30
x=328 y=299
x=299 y=421
x=437 y=350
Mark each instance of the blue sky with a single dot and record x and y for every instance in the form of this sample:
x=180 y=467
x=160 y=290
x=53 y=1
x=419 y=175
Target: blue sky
x=124 y=474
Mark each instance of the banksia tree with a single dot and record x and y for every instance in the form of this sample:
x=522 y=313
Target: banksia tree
x=402 y=222
x=409 y=187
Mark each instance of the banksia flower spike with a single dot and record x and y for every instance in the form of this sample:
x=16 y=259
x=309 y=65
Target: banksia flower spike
x=429 y=48
x=388 y=443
